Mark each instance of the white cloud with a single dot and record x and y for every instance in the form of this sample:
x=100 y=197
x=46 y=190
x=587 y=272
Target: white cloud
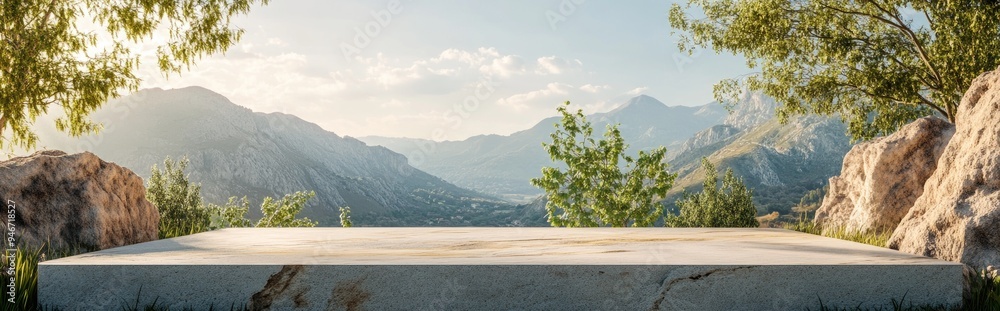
x=390 y=96
x=590 y=88
x=505 y=66
x=276 y=42
x=521 y=101
x=556 y=65
x=266 y=83
x=637 y=91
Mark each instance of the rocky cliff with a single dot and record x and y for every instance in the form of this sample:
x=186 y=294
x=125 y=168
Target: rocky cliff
x=957 y=217
x=881 y=178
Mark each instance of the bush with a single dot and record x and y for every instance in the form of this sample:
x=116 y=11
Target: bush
x=601 y=186
x=183 y=212
x=731 y=206
x=178 y=200
x=279 y=213
x=345 y=217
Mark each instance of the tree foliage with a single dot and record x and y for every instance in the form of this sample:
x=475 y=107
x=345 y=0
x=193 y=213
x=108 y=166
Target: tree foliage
x=811 y=201
x=231 y=215
x=183 y=212
x=730 y=206
x=601 y=186
x=276 y=213
x=48 y=58
x=879 y=64
x=177 y=199
x=345 y=217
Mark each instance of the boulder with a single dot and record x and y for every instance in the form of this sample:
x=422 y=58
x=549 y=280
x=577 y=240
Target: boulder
x=958 y=216
x=881 y=178
x=76 y=202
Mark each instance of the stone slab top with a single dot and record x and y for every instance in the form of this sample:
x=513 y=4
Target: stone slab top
x=498 y=246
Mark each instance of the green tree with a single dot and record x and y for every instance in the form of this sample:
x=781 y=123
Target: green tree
x=280 y=213
x=596 y=189
x=879 y=64
x=231 y=215
x=730 y=206
x=345 y=217
x=810 y=202
x=48 y=59
x=177 y=199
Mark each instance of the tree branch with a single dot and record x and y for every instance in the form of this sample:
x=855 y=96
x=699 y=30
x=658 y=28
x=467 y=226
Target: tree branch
x=45 y=19
x=930 y=21
x=901 y=26
x=913 y=39
x=921 y=98
x=3 y=124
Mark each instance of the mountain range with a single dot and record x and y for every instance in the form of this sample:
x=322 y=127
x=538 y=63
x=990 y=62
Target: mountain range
x=503 y=165
x=234 y=151
x=780 y=162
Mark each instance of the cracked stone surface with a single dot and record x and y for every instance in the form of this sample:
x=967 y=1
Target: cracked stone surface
x=501 y=268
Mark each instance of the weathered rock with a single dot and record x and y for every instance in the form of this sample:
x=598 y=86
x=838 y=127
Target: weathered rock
x=75 y=201
x=881 y=178
x=958 y=216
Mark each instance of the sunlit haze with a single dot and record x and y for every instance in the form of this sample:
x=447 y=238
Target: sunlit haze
x=447 y=70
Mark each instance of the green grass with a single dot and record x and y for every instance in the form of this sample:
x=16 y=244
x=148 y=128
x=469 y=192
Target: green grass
x=26 y=276
x=880 y=239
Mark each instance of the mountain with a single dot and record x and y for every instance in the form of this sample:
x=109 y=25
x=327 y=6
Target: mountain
x=234 y=151
x=503 y=165
x=781 y=163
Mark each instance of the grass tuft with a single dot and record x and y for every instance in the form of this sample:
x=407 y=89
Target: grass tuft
x=880 y=239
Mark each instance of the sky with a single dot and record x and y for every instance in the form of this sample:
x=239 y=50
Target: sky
x=448 y=70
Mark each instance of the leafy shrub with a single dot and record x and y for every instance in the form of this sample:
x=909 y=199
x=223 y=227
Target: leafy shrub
x=345 y=217
x=601 y=186
x=178 y=200
x=280 y=213
x=730 y=206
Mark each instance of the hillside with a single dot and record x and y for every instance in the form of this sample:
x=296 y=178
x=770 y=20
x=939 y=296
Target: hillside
x=503 y=165
x=781 y=163
x=235 y=152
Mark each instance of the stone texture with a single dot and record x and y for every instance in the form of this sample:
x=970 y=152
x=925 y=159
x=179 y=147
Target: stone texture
x=881 y=178
x=76 y=201
x=958 y=216
x=499 y=269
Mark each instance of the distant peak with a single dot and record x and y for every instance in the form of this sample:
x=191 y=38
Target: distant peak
x=195 y=89
x=643 y=98
x=640 y=103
